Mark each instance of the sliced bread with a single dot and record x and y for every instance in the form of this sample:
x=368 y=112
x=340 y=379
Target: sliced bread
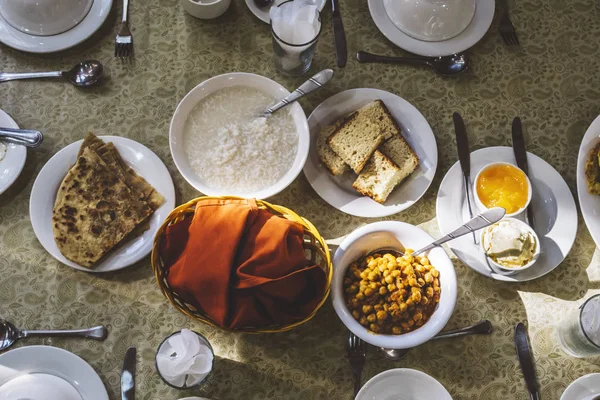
x=332 y=161
x=378 y=178
x=378 y=113
x=400 y=152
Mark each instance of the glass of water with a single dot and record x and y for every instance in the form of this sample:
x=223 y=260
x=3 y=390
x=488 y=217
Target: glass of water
x=579 y=331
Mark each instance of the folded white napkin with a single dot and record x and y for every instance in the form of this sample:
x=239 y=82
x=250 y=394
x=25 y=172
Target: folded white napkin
x=184 y=359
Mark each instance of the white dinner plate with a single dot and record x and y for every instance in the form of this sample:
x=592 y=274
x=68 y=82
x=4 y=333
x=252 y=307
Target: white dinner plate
x=137 y=156
x=484 y=14
x=582 y=388
x=53 y=361
x=263 y=13
x=337 y=190
x=14 y=159
x=47 y=44
x=554 y=211
x=589 y=203
x=403 y=384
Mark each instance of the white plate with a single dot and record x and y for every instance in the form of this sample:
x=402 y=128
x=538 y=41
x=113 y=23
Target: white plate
x=263 y=13
x=554 y=212
x=14 y=160
x=403 y=384
x=337 y=190
x=136 y=155
x=47 y=44
x=589 y=203
x=484 y=13
x=582 y=388
x=52 y=361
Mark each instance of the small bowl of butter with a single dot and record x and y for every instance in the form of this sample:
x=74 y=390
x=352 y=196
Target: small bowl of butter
x=510 y=245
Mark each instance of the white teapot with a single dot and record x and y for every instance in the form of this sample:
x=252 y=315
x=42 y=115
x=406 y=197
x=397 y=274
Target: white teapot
x=44 y=17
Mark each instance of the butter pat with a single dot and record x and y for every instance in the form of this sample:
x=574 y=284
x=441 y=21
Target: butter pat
x=510 y=243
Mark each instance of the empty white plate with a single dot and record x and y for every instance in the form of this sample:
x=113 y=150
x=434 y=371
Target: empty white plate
x=38 y=386
x=14 y=159
x=137 y=156
x=589 y=203
x=403 y=384
x=337 y=190
x=583 y=388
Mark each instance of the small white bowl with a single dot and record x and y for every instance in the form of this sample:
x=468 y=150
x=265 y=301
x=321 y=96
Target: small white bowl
x=387 y=234
x=536 y=254
x=482 y=207
x=403 y=383
x=211 y=85
x=207 y=9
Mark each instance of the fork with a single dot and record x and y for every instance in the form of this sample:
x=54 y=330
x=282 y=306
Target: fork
x=507 y=29
x=357 y=354
x=124 y=41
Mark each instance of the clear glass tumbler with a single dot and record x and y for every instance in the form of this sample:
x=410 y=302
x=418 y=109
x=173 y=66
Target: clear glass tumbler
x=294 y=58
x=579 y=331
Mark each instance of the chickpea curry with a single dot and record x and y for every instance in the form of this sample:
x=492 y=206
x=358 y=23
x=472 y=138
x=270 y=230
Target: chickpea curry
x=392 y=295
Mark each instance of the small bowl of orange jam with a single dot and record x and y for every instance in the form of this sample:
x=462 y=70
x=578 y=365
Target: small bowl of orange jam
x=503 y=185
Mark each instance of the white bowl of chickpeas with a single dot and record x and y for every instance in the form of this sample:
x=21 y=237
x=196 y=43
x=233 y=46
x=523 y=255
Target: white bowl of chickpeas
x=388 y=300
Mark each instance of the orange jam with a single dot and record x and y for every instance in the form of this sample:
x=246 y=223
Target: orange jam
x=503 y=185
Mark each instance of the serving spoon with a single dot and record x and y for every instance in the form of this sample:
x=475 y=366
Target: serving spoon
x=25 y=137
x=84 y=74
x=448 y=65
x=9 y=334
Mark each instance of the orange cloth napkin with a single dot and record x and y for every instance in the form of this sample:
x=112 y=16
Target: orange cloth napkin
x=243 y=266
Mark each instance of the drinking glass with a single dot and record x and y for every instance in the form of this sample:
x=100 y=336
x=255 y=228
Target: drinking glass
x=579 y=331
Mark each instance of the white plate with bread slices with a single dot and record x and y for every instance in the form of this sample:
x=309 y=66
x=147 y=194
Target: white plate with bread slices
x=372 y=153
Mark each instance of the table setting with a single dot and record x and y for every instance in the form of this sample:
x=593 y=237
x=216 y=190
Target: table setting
x=299 y=199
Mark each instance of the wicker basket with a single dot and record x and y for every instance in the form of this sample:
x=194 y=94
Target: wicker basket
x=315 y=248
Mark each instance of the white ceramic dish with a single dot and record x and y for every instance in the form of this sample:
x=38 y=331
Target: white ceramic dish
x=484 y=14
x=337 y=190
x=583 y=388
x=554 y=211
x=205 y=9
x=228 y=80
x=403 y=384
x=263 y=13
x=387 y=234
x=589 y=203
x=480 y=204
x=16 y=39
x=431 y=20
x=53 y=361
x=142 y=160
x=14 y=159
x=39 y=386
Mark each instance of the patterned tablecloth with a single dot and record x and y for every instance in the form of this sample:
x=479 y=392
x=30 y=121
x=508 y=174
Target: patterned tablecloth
x=552 y=82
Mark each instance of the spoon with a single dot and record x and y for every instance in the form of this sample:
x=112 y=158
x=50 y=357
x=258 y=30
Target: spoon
x=481 y=328
x=9 y=334
x=25 y=137
x=448 y=65
x=263 y=3
x=85 y=73
x=314 y=83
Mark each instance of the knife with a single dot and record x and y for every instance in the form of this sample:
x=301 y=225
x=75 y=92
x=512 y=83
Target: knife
x=341 y=50
x=526 y=361
x=464 y=157
x=518 y=143
x=128 y=375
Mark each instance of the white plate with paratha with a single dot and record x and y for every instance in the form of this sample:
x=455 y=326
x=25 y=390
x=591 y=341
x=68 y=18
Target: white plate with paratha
x=44 y=193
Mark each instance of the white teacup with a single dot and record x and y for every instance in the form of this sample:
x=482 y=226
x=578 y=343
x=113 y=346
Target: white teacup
x=206 y=9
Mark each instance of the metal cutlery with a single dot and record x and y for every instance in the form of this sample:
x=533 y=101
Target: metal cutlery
x=263 y=3
x=85 y=73
x=314 y=83
x=518 y=143
x=507 y=29
x=448 y=65
x=9 y=334
x=357 y=354
x=128 y=375
x=25 y=137
x=124 y=40
x=526 y=361
x=464 y=157
x=339 y=36
x=481 y=328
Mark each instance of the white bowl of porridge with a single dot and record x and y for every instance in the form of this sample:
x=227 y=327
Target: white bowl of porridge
x=222 y=146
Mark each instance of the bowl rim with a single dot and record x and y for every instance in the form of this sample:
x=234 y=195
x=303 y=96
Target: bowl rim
x=529 y=188
x=411 y=339
x=236 y=79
